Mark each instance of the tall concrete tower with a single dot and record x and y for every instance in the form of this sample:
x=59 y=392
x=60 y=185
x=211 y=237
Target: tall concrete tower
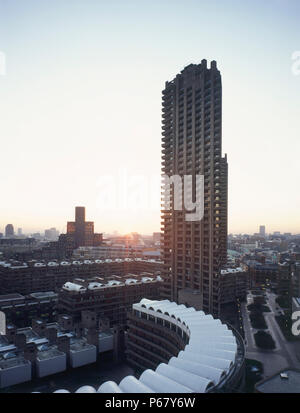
x=194 y=251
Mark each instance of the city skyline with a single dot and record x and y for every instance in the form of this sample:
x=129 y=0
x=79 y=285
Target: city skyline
x=95 y=101
x=115 y=231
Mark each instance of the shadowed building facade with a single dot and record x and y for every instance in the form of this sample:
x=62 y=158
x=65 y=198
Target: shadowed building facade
x=194 y=251
x=83 y=231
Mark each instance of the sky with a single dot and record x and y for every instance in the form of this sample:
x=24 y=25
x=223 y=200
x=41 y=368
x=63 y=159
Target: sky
x=80 y=108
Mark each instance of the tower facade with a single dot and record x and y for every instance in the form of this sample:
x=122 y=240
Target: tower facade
x=9 y=230
x=82 y=231
x=194 y=251
x=262 y=230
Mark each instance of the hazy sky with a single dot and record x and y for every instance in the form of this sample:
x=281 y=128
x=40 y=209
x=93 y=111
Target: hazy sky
x=81 y=100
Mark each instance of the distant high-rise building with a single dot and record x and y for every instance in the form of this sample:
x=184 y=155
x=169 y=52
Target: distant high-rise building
x=194 y=252
x=19 y=231
x=51 y=234
x=9 y=230
x=82 y=230
x=262 y=231
x=156 y=237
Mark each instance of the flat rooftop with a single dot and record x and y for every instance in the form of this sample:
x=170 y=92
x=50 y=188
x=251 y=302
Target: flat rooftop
x=5 y=346
x=13 y=362
x=278 y=384
x=105 y=334
x=60 y=331
x=31 y=336
x=11 y=297
x=50 y=353
x=46 y=294
x=79 y=344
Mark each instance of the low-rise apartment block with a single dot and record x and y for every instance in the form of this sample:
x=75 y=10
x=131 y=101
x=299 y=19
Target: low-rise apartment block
x=33 y=276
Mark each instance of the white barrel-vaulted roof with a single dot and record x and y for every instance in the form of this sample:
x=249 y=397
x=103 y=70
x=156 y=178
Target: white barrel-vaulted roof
x=206 y=360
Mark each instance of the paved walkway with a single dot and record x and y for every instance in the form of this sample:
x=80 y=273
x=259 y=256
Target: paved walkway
x=285 y=353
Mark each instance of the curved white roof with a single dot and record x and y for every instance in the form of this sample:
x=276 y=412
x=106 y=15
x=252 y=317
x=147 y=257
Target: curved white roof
x=95 y=286
x=198 y=357
x=109 y=387
x=207 y=350
x=195 y=382
x=218 y=345
x=205 y=361
x=39 y=264
x=212 y=373
x=162 y=384
x=73 y=287
x=131 y=281
x=86 y=389
x=164 y=306
x=65 y=263
x=113 y=282
x=232 y=270
x=130 y=382
x=147 y=279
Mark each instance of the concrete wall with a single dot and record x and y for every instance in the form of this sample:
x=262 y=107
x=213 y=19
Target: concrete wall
x=15 y=375
x=51 y=366
x=83 y=357
x=106 y=343
x=192 y=298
